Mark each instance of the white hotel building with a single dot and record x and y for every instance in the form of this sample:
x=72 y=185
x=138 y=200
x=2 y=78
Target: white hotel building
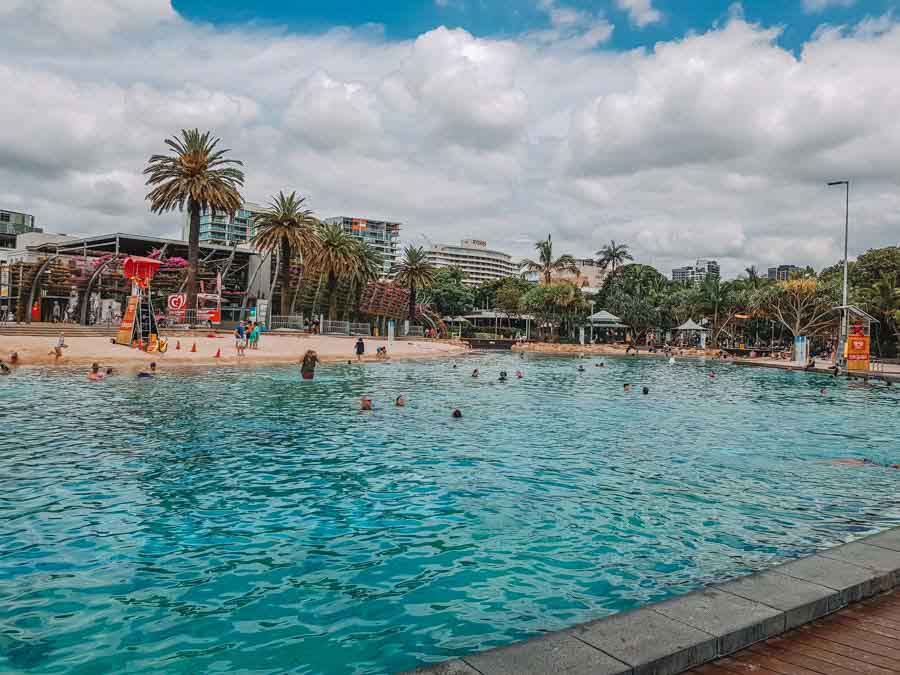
x=477 y=262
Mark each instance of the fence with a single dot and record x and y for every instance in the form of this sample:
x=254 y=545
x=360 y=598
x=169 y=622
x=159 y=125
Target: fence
x=288 y=322
x=412 y=331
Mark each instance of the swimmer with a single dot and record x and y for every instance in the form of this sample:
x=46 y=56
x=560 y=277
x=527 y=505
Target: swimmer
x=151 y=373
x=519 y=374
x=14 y=358
x=626 y=387
x=110 y=372
x=309 y=363
x=475 y=373
x=4 y=369
x=95 y=373
x=457 y=414
x=503 y=376
x=712 y=376
x=400 y=401
x=645 y=390
x=454 y=366
x=823 y=391
x=671 y=360
x=580 y=369
x=365 y=403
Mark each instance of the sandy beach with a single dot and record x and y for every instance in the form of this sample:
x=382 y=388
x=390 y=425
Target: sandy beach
x=273 y=349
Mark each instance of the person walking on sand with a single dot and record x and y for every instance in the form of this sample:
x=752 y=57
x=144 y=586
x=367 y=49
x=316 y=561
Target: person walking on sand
x=308 y=365
x=254 y=337
x=360 y=349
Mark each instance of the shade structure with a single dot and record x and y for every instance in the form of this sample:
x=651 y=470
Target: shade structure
x=690 y=324
x=604 y=319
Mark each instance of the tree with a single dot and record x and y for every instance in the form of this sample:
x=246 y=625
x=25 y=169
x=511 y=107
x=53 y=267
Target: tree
x=637 y=295
x=335 y=256
x=803 y=306
x=546 y=264
x=415 y=271
x=613 y=255
x=882 y=300
x=509 y=298
x=555 y=304
x=285 y=226
x=448 y=295
x=197 y=175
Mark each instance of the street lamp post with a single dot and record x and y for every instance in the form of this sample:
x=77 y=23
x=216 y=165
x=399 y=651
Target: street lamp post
x=845 y=314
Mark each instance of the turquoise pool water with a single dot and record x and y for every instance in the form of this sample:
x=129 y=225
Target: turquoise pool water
x=245 y=521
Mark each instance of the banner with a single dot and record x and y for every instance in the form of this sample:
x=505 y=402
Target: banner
x=126 y=329
x=177 y=304
x=262 y=312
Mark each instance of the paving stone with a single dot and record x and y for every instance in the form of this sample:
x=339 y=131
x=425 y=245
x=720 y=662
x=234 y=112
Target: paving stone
x=455 y=667
x=852 y=581
x=889 y=539
x=801 y=601
x=649 y=642
x=557 y=653
x=873 y=557
x=735 y=621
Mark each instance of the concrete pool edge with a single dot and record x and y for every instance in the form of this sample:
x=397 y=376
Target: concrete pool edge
x=681 y=633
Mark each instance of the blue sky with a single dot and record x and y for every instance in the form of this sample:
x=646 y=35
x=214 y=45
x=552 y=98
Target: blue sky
x=408 y=18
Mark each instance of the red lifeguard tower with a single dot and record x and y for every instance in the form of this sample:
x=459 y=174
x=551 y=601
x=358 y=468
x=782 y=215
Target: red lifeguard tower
x=138 y=328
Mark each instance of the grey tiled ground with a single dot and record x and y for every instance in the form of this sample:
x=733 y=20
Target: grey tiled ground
x=801 y=601
x=736 y=622
x=555 y=653
x=852 y=581
x=649 y=642
x=873 y=557
x=889 y=539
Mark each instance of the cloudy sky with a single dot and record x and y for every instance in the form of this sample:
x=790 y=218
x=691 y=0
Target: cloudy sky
x=686 y=133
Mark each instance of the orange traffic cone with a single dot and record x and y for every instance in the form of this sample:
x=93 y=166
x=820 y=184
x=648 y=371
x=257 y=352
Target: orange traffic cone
x=177 y=344
x=194 y=347
x=218 y=353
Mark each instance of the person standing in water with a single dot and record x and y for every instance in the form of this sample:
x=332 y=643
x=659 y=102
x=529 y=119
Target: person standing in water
x=360 y=349
x=308 y=365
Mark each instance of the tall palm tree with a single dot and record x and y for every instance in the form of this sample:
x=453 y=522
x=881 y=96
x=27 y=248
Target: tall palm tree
x=334 y=257
x=285 y=226
x=369 y=267
x=414 y=271
x=613 y=254
x=546 y=264
x=197 y=175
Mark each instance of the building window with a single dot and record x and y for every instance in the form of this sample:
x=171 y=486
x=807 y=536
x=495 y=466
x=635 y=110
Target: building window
x=4 y=217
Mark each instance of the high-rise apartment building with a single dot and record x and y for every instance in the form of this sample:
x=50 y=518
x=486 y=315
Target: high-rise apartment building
x=12 y=224
x=782 y=272
x=590 y=274
x=381 y=235
x=223 y=228
x=477 y=262
x=696 y=274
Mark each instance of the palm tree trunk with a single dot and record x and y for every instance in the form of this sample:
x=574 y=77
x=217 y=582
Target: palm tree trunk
x=412 y=303
x=193 y=254
x=285 y=277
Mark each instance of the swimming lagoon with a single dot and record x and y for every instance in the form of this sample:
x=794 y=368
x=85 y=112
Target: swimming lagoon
x=242 y=520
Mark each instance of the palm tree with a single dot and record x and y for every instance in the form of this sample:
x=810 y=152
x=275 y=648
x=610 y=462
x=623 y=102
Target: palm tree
x=285 y=226
x=369 y=267
x=334 y=257
x=414 y=271
x=199 y=176
x=613 y=254
x=546 y=265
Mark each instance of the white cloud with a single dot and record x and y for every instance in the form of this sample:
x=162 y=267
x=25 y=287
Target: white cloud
x=715 y=145
x=813 y=6
x=572 y=27
x=642 y=12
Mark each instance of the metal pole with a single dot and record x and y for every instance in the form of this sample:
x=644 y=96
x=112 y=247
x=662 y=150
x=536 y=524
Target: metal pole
x=845 y=314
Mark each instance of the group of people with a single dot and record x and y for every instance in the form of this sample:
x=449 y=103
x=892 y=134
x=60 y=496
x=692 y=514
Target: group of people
x=365 y=404
x=97 y=373
x=504 y=376
x=246 y=335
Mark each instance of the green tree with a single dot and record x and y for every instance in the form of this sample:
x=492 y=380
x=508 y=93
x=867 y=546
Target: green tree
x=613 y=255
x=285 y=226
x=196 y=175
x=509 y=298
x=336 y=256
x=414 y=271
x=448 y=295
x=546 y=264
x=803 y=306
x=555 y=304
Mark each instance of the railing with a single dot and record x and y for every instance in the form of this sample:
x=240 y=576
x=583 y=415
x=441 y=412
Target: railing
x=286 y=322
x=335 y=327
x=412 y=331
x=364 y=329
